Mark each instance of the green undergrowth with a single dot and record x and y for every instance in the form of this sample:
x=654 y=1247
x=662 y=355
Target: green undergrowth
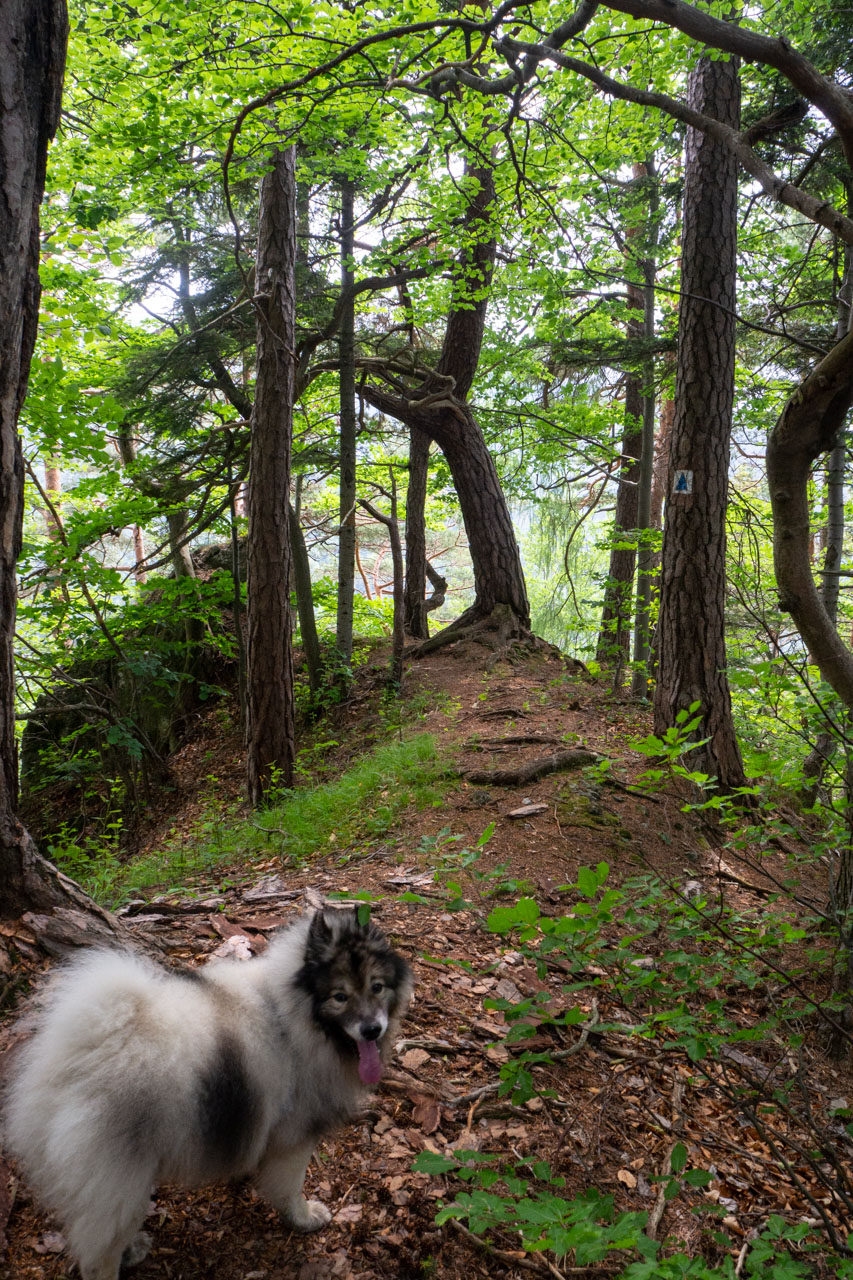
x=345 y=816
x=711 y=994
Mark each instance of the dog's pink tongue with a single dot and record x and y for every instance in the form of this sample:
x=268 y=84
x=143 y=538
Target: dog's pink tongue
x=369 y=1062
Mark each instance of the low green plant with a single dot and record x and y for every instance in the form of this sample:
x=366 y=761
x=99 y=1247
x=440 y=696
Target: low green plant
x=356 y=808
x=678 y=965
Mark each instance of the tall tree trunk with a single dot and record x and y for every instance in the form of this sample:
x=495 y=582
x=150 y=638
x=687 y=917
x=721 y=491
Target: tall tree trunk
x=33 y=36
x=415 y=610
x=645 y=480
x=346 y=341
x=269 y=692
x=614 y=637
x=691 y=637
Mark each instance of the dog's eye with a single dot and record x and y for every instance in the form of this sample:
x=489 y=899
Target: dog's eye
x=377 y=986
x=340 y=996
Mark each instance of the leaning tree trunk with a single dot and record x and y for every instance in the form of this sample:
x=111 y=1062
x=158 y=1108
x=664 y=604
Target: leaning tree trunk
x=808 y=426
x=53 y=912
x=498 y=575
x=691 y=630
x=269 y=685
x=821 y=754
x=439 y=408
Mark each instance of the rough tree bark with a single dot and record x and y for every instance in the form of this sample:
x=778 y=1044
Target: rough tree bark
x=269 y=691
x=691 y=635
x=415 y=609
x=54 y=912
x=645 y=553
x=614 y=639
x=348 y=425
x=439 y=409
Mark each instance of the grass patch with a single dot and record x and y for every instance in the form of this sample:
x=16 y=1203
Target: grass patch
x=345 y=816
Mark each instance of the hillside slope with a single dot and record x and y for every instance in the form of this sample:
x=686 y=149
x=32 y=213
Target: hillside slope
x=640 y=1036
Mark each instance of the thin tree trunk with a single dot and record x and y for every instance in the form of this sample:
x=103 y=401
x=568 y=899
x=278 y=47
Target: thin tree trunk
x=237 y=605
x=305 y=601
x=391 y=523
x=691 y=630
x=661 y=462
x=271 y=732
x=182 y=562
x=614 y=637
x=645 y=552
x=348 y=424
x=415 y=585
x=139 y=556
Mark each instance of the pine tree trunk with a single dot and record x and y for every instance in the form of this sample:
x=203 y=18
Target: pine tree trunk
x=615 y=634
x=33 y=36
x=55 y=913
x=691 y=637
x=614 y=637
x=415 y=610
x=346 y=338
x=271 y=733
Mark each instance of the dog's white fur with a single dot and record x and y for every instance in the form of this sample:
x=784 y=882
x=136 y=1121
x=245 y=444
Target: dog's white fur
x=101 y=1102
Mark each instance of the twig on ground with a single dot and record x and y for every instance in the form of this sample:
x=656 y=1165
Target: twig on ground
x=559 y=1055
x=660 y=1203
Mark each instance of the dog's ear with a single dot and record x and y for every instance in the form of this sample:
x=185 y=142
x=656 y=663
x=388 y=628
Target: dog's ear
x=320 y=934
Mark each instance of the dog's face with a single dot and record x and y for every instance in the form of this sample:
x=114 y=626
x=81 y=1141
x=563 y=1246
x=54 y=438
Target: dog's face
x=357 y=983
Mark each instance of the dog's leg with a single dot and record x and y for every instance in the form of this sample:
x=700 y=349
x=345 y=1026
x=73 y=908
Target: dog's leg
x=280 y=1178
x=116 y=1258
x=138 y=1249
x=106 y=1268
x=106 y=1237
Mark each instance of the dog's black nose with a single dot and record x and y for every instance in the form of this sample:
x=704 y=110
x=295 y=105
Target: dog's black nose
x=370 y=1031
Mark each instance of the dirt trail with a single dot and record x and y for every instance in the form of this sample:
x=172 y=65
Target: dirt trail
x=609 y=1110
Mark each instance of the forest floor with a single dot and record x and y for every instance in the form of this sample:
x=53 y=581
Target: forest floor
x=613 y=1107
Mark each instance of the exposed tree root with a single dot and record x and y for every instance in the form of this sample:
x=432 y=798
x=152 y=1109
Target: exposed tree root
x=44 y=913
x=533 y=769
x=500 y=631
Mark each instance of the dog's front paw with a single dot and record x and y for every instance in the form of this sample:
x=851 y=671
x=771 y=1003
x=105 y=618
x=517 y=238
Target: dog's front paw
x=308 y=1215
x=138 y=1249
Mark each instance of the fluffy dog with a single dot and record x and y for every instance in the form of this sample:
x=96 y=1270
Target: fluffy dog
x=136 y=1075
